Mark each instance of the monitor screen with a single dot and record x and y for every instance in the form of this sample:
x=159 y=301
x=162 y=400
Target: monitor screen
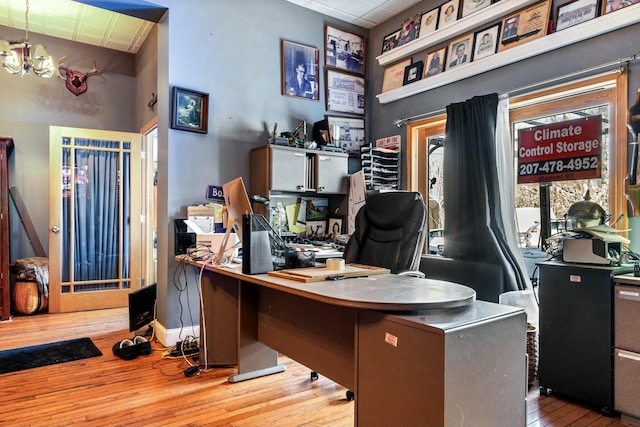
x=142 y=307
x=238 y=204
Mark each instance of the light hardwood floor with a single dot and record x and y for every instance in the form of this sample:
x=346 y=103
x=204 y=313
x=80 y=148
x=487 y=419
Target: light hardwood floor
x=152 y=391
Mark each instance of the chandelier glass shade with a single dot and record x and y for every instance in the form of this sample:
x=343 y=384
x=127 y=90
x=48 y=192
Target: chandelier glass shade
x=22 y=58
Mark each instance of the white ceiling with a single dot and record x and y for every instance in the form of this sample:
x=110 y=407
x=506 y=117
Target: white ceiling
x=79 y=22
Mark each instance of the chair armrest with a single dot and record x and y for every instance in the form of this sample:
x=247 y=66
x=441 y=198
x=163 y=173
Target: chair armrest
x=412 y=273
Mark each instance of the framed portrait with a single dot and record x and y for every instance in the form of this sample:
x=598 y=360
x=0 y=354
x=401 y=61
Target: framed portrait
x=526 y=25
x=575 y=12
x=485 y=42
x=471 y=6
x=394 y=75
x=435 y=62
x=335 y=226
x=409 y=30
x=189 y=110
x=412 y=72
x=316 y=229
x=429 y=22
x=345 y=92
x=347 y=132
x=390 y=41
x=448 y=13
x=613 y=5
x=300 y=67
x=459 y=51
x=344 y=50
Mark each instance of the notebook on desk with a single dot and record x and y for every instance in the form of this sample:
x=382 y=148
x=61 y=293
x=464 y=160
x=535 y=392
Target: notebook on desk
x=318 y=274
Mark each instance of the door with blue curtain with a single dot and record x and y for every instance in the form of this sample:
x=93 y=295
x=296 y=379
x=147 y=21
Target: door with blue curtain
x=95 y=218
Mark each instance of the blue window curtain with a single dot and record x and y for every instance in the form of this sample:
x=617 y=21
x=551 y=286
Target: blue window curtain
x=478 y=196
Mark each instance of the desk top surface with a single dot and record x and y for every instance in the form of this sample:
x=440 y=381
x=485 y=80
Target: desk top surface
x=389 y=292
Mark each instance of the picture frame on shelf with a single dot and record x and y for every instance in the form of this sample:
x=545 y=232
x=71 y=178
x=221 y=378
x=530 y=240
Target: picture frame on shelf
x=485 y=42
x=460 y=51
x=472 y=6
x=394 y=75
x=316 y=230
x=347 y=133
x=410 y=30
x=525 y=25
x=335 y=227
x=429 y=22
x=448 y=13
x=345 y=93
x=609 y=6
x=412 y=72
x=344 y=50
x=391 y=41
x=575 y=12
x=299 y=66
x=435 y=62
x=189 y=110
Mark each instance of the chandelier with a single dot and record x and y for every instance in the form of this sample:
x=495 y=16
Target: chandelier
x=16 y=57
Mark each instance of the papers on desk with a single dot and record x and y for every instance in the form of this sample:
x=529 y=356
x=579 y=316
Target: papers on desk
x=318 y=274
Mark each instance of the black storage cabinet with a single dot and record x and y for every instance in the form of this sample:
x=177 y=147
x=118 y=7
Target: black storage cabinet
x=576 y=331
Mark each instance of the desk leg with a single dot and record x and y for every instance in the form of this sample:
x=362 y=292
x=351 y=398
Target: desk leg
x=254 y=358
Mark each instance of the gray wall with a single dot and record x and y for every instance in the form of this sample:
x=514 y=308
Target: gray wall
x=580 y=56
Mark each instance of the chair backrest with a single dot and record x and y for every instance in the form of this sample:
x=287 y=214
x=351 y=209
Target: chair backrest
x=389 y=231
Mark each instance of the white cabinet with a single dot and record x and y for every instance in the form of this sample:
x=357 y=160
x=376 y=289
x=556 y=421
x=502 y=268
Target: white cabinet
x=330 y=172
x=287 y=170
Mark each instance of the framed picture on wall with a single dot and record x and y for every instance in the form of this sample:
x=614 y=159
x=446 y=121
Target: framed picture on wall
x=412 y=72
x=429 y=22
x=394 y=75
x=344 y=50
x=525 y=25
x=486 y=42
x=435 y=61
x=300 y=67
x=189 y=110
x=347 y=133
x=448 y=13
x=390 y=41
x=613 y=5
x=575 y=12
x=345 y=92
x=459 y=51
x=472 y=6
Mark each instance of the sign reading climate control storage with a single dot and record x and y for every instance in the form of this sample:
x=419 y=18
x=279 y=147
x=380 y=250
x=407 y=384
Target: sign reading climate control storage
x=560 y=151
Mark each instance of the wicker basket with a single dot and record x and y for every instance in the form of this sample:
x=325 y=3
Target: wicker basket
x=532 y=352
x=26 y=298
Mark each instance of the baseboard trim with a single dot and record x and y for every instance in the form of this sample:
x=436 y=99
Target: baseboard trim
x=169 y=337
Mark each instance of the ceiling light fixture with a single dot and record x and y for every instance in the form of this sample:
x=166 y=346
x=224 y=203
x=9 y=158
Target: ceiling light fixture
x=16 y=56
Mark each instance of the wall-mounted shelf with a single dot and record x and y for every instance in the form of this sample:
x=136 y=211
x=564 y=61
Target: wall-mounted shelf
x=595 y=27
x=468 y=23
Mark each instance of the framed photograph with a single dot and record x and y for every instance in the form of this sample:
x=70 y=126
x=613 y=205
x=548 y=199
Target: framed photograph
x=429 y=22
x=347 y=132
x=409 y=30
x=485 y=42
x=345 y=92
x=574 y=12
x=335 y=226
x=344 y=50
x=613 y=5
x=413 y=72
x=189 y=110
x=459 y=51
x=448 y=13
x=394 y=75
x=526 y=25
x=435 y=62
x=390 y=41
x=471 y=6
x=300 y=77
x=316 y=230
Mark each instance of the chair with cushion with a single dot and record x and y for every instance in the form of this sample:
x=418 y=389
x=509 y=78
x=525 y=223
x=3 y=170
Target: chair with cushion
x=389 y=232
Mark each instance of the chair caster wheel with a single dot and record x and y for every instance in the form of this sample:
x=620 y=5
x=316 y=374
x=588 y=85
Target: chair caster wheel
x=314 y=376
x=545 y=391
x=350 y=395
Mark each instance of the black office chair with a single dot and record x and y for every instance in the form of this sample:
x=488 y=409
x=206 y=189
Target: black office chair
x=389 y=232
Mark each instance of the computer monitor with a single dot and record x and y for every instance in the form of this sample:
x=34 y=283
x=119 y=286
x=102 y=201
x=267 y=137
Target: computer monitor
x=237 y=204
x=142 y=304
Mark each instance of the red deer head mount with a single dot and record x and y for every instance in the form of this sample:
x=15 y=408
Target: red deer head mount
x=76 y=81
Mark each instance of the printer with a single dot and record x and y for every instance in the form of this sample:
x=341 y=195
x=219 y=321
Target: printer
x=594 y=250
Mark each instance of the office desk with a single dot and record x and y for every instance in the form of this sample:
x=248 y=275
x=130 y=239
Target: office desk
x=413 y=351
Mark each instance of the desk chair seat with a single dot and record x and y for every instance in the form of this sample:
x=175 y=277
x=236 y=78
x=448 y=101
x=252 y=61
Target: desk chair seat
x=389 y=232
